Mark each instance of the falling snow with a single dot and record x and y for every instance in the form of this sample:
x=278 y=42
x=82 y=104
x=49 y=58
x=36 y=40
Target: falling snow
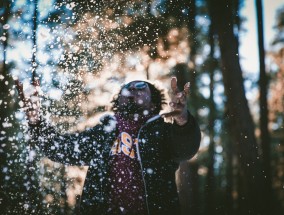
x=83 y=54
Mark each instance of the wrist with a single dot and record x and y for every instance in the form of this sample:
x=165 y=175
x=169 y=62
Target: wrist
x=182 y=118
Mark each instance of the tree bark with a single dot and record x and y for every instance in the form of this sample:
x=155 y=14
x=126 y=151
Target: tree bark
x=4 y=113
x=210 y=185
x=7 y=7
x=230 y=186
x=193 y=49
x=251 y=197
x=264 y=133
x=34 y=40
x=33 y=193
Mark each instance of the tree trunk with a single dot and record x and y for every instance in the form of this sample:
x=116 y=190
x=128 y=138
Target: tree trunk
x=210 y=185
x=4 y=111
x=34 y=38
x=264 y=133
x=33 y=193
x=251 y=197
x=7 y=7
x=193 y=48
x=230 y=187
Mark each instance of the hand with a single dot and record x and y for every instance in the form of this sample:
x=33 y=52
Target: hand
x=31 y=104
x=178 y=103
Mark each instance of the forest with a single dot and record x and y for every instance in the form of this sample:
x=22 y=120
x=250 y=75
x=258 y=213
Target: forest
x=83 y=51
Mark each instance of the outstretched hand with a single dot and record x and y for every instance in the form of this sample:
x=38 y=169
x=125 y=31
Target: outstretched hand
x=178 y=102
x=30 y=104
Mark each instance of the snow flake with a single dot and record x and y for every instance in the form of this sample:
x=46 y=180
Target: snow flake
x=150 y=171
x=70 y=6
x=32 y=155
x=6 y=124
x=3 y=38
x=6 y=26
x=111 y=126
x=5 y=169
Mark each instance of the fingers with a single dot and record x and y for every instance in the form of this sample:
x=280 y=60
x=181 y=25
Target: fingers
x=36 y=82
x=20 y=89
x=175 y=88
x=36 y=85
x=186 y=88
x=178 y=99
x=170 y=114
x=36 y=89
x=174 y=85
x=185 y=91
x=31 y=103
x=23 y=100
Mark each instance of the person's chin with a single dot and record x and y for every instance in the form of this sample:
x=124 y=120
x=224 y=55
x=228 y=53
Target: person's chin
x=130 y=109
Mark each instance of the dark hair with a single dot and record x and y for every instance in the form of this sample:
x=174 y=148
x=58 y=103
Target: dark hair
x=158 y=98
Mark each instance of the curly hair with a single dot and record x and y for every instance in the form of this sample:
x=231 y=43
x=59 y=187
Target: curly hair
x=158 y=98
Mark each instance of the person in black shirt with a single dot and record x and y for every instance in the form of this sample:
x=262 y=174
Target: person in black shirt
x=132 y=154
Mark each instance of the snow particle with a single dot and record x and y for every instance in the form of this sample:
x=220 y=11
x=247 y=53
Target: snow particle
x=150 y=171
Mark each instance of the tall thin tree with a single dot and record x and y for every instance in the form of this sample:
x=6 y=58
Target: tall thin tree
x=32 y=188
x=34 y=39
x=192 y=39
x=4 y=91
x=263 y=84
x=210 y=180
x=6 y=6
x=251 y=199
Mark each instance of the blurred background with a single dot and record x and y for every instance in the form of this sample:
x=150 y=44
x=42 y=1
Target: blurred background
x=232 y=52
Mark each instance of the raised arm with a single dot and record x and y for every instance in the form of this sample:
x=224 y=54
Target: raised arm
x=72 y=149
x=30 y=104
x=185 y=139
x=184 y=132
